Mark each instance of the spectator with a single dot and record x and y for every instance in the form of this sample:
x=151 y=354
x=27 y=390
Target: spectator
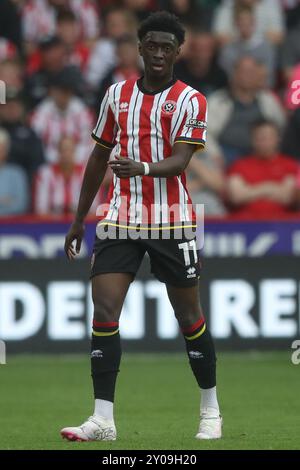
x=206 y=183
x=39 y=19
x=199 y=67
x=57 y=186
x=232 y=111
x=46 y=63
x=117 y=23
x=128 y=65
x=63 y=113
x=269 y=19
x=25 y=148
x=13 y=182
x=262 y=185
x=68 y=30
x=248 y=43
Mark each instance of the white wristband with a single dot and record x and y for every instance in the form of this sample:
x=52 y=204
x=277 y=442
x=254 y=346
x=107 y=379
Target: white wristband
x=146 y=168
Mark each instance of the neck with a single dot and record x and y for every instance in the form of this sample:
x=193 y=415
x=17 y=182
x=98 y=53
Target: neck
x=67 y=168
x=151 y=83
x=244 y=96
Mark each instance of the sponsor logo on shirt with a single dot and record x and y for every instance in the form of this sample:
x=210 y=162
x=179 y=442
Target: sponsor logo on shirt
x=169 y=107
x=196 y=124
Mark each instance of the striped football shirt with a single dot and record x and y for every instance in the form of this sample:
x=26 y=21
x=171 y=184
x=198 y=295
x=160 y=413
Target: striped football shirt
x=144 y=126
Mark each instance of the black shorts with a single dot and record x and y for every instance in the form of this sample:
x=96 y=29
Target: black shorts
x=173 y=261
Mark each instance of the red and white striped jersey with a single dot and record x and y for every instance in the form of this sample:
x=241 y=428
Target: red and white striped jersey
x=51 y=124
x=39 y=19
x=56 y=194
x=144 y=126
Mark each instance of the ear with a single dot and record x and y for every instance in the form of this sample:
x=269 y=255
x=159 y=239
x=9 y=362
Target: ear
x=178 y=51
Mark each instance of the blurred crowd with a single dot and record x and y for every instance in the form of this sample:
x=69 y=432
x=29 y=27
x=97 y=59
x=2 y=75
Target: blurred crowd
x=57 y=58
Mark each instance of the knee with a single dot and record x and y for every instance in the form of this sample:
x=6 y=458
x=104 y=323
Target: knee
x=188 y=317
x=105 y=310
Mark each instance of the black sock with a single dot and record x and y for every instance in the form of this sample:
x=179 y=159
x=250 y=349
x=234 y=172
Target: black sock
x=201 y=352
x=105 y=359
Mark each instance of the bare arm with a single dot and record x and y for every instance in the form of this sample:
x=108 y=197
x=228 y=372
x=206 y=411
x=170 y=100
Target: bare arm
x=93 y=177
x=239 y=192
x=283 y=192
x=172 y=166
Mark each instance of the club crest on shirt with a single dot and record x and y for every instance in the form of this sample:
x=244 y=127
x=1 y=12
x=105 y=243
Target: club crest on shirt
x=169 y=107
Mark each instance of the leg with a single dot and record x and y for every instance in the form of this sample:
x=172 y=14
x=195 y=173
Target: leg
x=200 y=348
x=186 y=304
x=108 y=292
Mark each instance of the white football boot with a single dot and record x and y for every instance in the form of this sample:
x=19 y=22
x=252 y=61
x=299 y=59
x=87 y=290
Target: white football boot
x=95 y=428
x=210 y=426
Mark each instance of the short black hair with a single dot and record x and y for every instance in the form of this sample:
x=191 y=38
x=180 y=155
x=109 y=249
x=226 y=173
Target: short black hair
x=264 y=122
x=162 y=21
x=66 y=15
x=126 y=39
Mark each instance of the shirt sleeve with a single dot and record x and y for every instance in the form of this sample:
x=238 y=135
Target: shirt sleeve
x=194 y=124
x=105 y=130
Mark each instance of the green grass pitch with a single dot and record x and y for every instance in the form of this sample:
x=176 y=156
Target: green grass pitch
x=157 y=402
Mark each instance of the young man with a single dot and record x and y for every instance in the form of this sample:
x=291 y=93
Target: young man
x=153 y=125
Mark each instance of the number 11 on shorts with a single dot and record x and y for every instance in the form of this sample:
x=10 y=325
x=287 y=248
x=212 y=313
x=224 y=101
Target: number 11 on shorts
x=187 y=247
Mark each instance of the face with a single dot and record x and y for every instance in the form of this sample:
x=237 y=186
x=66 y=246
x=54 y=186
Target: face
x=11 y=75
x=245 y=24
x=159 y=51
x=265 y=141
x=69 y=31
x=12 y=111
x=203 y=47
x=54 y=58
x=127 y=55
x=246 y=74
x=117 y=24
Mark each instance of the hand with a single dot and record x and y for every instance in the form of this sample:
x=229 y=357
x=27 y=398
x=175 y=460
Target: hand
x=126 y=167
x=76 y=232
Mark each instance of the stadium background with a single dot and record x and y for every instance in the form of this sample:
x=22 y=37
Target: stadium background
x=57 y=58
